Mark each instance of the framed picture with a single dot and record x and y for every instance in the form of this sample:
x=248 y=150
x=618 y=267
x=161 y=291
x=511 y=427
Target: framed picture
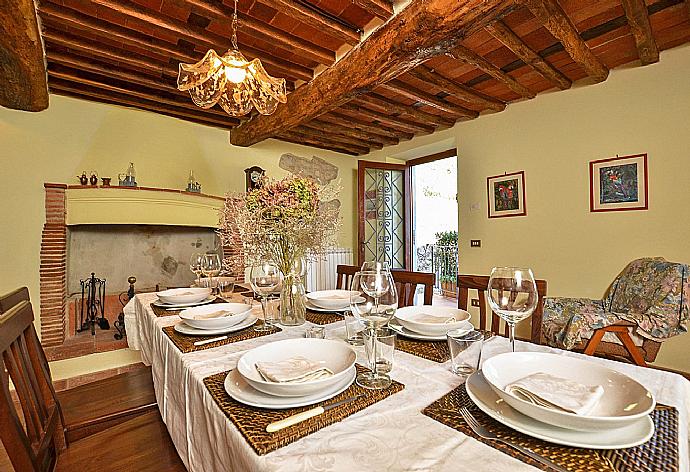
x=618 y=183
x=506 y=195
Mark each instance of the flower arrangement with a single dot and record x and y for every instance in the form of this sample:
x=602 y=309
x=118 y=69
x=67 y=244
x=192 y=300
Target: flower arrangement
x=285 y=221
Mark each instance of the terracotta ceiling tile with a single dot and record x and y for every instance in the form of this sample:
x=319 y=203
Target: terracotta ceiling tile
x=172 y=9
x=152 y=4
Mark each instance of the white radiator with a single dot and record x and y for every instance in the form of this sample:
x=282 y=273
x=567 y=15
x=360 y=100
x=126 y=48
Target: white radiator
x=321 y=274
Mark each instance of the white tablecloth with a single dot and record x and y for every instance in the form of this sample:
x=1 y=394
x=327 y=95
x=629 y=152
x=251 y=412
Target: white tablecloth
x=390 y=435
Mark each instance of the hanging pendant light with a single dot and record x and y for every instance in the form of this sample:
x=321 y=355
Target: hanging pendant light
x=231 y=81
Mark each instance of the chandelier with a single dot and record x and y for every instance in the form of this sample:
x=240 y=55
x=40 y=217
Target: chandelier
x=231 y=81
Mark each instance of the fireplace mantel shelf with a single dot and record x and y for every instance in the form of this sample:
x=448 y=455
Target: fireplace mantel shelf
x=91 y=205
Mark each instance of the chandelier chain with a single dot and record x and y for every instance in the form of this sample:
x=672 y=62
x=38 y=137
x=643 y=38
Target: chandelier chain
x=234 y=27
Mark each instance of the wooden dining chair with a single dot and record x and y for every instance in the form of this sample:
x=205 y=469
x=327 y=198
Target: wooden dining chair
x=480 y=283
x=95 y=406
x=32 y=429
x=406 y=283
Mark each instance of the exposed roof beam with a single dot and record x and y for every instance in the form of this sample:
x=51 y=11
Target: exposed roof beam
x=638 y=18
x=202 y=36
x=380 y=8
x=466 y=55
x=413 y=93
x=422 y=30
x=391 y=106
x=338 y=139
x=23 y=81
x=264 y=31
x=319 y=141
x=505 y=35
x=551 y=15
x=327 y=127
x=394 y=121
x=460 y=91
x=347 y=121
x=310 y=16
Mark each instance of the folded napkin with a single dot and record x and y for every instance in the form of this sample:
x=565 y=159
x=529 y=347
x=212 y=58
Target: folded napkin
x=335 y=297
x=294 y=370
x=215 y=314
x=432 y=319
x=554 y=392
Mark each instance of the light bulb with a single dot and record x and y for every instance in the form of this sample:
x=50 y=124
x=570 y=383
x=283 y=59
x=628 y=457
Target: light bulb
x=235 y=74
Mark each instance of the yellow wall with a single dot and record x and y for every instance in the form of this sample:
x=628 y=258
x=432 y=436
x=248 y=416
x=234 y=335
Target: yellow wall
x=73 y=135
x=552 y=138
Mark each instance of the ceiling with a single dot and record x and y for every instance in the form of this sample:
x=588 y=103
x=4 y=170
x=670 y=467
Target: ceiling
x=126 y=52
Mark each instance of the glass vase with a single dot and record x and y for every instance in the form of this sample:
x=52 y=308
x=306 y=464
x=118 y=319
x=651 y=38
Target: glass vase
x=292 y=308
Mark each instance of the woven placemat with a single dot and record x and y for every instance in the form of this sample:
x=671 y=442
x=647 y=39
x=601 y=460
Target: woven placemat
x=252 y=422
x=436 y=351
x=158 y=311
x=186 y=343
x=321 y=318
x=660 y=453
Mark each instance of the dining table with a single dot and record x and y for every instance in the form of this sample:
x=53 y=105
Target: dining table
x=392 y=434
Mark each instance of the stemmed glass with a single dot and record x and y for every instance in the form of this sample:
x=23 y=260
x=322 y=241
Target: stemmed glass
x=512 y=294
x=210 y=267
x=195 y=265
x=264 y=279
x=373 y=301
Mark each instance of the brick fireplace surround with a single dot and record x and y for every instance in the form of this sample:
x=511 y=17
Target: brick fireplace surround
x=53 y=275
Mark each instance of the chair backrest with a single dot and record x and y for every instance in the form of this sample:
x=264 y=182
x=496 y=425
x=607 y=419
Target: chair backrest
x=405 y=283
x=32 y=432
x=480 y=284
x=11 y=299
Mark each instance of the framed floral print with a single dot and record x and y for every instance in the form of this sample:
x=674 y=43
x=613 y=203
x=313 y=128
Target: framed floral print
x=618 y=183
x=506 y=194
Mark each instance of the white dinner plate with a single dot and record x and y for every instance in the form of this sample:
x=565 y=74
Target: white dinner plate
x=486 y=399
x=238 y=388
x=310 y=306
x=402 y=331
x=162 y=304
x=409 y=317
x=331 y=299
x=184 y=328
x=224 y=315
x=184 y=294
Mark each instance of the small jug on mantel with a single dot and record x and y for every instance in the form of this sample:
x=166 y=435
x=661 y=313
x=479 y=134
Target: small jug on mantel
x=128 y=179
x=83 y=178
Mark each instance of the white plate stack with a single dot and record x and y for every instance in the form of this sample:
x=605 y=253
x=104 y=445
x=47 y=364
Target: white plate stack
x=176 y=298
x=217 y=318
x=329 y=300
x=617 y=417
x=430 y=323
x=246 y=385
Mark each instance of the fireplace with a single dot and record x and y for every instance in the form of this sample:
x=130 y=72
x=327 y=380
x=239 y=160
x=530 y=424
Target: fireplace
x=115 y=233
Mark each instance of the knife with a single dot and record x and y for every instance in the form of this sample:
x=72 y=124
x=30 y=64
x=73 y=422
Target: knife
x=305 y=415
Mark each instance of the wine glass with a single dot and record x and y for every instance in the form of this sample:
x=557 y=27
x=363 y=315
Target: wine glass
x=512 y=294
x=373 y=301
x=264 y=279
x=210 y=267
x=195 y=265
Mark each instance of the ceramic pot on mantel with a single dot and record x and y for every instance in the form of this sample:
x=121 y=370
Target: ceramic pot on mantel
x=292 y=293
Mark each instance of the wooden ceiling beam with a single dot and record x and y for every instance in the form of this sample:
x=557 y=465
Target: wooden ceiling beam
x=151 y=93
x=551 y=15
x=638 y=19
x=379 y=8
x=310 y=140
x=413 y=93
x=326 y=147
x=351 y=122
x=203 y=37
x=365 y=137
x=512 y=41
x=391 y=106
x=394 y=121
x=125 y=100
x=97 y=51
x=301 y=11
x=23 y=80
x=264 y=31
x=422 y=30
x=460 y=91
x=466 y=55
x=337 y=139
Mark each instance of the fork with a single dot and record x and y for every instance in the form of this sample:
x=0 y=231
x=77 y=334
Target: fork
x=486 y=434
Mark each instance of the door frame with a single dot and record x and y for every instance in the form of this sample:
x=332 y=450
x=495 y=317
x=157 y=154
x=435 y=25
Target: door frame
x=407 y=205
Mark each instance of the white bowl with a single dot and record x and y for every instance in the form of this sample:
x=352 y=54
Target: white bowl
x=335 y=355
x=184 y=295
x=624 y=401
x=331 y=299
x=226 y=315
x=407 y=314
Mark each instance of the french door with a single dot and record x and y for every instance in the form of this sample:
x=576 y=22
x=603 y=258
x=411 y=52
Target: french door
x=384 y=207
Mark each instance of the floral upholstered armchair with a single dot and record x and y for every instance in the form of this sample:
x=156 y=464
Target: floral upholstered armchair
x=649 y=300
